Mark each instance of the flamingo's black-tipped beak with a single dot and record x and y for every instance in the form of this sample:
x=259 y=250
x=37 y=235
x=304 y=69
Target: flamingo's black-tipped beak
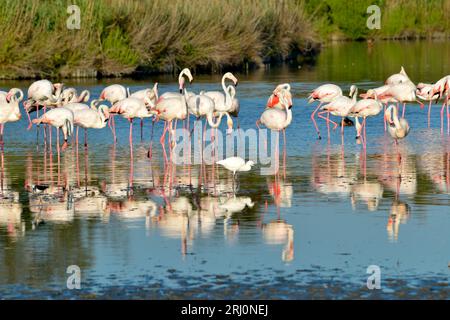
x=181 y=90
x=236 y=84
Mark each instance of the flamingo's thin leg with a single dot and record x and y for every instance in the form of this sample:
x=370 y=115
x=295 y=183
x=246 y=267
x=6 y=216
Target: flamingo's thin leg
x=314 y=121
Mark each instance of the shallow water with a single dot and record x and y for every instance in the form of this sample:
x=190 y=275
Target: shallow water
x=140 y=229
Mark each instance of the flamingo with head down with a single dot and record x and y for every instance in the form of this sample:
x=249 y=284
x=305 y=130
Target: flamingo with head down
x=324 y=94
x=113 y=94
x=42 y=93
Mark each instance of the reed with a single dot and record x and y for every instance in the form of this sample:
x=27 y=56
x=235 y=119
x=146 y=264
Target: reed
x=119 y=37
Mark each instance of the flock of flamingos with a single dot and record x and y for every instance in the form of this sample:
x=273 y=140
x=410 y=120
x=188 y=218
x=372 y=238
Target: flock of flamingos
x=63 y=108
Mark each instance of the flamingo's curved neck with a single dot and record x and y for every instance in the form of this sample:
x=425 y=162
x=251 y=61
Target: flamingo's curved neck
x=228 y=99
x=209 y=118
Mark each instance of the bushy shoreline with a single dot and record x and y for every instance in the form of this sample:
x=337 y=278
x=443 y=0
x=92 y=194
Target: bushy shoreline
x=137 y=38
x=118 y=38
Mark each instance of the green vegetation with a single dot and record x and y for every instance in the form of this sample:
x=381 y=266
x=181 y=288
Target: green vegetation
x=400 y=19
x=119 y=37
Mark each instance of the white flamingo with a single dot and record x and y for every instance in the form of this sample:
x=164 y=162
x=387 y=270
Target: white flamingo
x=113 y=94
x=398 y=129
x=423 y=92
x=9 y=109
x=42 y=93
x=224 y=102
x=95 y=118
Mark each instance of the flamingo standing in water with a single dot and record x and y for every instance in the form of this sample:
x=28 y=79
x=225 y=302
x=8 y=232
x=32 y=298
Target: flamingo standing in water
x=42 y=93
x=403 y=92
x=398 y=129
x=95 y=118
x=442 y=87
x=149 y=96
x=340 y=107
x=365 y=108
x=58 y=118
x=324 y=94
x=423 y=92
x=277 y=119
x=9 y=109
x=224 y=103
x=131 y=108
x=113 y=93
x=168 y=108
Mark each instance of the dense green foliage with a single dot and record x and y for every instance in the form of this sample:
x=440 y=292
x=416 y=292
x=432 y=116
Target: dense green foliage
x=119 y=37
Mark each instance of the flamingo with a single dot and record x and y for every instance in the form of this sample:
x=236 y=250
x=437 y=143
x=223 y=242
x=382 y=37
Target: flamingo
x=340 y=107
x=224 y=103
x=442 y=87
x=149 y=96
x=9 y=109
x=324 y=94
x=364 y=108
x=131 y=108
x=273 y=101
x=181 y=82
x=113 y=93
x=424 y=93
x=70 y=95
x=403 y=92
x=90 y=118
x=398 y=78
x=58 y=118
x=171 y=107
x=42 y=92
x=276 y=119
x=398 y=129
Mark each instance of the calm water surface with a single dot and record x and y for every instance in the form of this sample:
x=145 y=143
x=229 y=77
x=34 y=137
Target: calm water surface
x=139 y=229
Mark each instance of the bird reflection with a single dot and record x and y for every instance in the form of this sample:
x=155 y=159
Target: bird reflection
x=399 y=213
x=10 y=207
x=278 y=232
x=368 y=192
x=281 y=190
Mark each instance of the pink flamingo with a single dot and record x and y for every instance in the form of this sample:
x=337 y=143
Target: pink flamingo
x=42 y=93
x=324 y=94
x=149 y=96
x=70 y=95
x=365 y=108
x=403 y=92
x=398 y=78
x=442 y=87
x=9 y=109
x=277 y=119
x=340 y=107
x=58 y=118
x=424 y=93
x=113 y=93
x=168 y=109
x=274 y=101
x=94 y=118
x=131 y=108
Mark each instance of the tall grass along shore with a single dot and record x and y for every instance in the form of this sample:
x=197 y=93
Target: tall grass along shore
x=124 y=37
x=118 y=37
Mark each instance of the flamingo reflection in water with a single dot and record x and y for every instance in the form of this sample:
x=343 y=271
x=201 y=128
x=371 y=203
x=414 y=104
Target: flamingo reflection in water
x=10 y=206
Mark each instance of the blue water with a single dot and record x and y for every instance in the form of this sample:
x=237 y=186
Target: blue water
x=335 y=211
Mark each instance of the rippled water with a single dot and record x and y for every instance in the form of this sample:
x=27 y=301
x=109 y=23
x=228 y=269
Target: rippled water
x=140 y=229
